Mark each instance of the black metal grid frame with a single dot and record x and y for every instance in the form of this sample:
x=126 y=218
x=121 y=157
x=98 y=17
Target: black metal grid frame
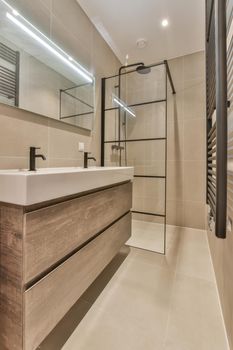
x=66 y=92
x=168 y=78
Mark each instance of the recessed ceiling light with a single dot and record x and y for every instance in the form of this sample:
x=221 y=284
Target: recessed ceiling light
x=141 y=43
x=164 y=22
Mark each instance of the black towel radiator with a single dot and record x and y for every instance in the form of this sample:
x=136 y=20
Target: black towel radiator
x=216 y=112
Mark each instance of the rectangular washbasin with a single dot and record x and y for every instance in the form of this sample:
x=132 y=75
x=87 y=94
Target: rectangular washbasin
x=23 y=187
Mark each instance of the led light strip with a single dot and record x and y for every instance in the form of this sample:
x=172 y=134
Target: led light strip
x=121 y=104
x=81 y=71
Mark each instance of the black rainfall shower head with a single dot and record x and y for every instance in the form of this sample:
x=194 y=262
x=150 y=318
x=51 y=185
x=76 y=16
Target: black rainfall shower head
x=142 y=69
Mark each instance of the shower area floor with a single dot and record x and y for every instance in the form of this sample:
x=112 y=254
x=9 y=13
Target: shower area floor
x=143 y=300
x=147 y=235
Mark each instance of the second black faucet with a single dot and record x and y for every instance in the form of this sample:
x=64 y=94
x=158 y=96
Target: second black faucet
x=86 y=158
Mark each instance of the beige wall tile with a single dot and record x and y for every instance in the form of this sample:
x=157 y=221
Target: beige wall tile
x=175 y=106
x=149 y=122
x=175 y=140
x=194 y=139
x=148 y=195
x=111 y=125
x=175 y=212
x=14 y=162
x=175 y=180
x=222 y=252
x=194 y=214
x=194 y=66
x=61 y=162
x=177 y=68
x=63 y=141
x=194 y=181
x=194 y=99
x=186 y=137
x=17 y=134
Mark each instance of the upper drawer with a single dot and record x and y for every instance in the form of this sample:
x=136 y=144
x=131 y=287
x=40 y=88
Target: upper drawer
x=53 y=232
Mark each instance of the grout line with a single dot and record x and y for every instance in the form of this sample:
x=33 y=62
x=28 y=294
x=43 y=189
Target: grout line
x=218 y=296
x=13 y=157
x=172 y=291
x=189 y=228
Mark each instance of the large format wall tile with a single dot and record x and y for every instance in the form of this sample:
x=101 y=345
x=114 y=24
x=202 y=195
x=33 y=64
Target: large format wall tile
x=186 y=152
x=194 y=99
x=17 y=134
x=194 y=181
x=194 y=139
x=194 y=214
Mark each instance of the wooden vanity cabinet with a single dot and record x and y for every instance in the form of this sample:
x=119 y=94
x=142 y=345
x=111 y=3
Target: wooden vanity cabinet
x=50 y=253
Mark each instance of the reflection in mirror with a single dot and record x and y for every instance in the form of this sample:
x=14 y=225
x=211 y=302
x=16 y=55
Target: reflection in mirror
x=38 y=76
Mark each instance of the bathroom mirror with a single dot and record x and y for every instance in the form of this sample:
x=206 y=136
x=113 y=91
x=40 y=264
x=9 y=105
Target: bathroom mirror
x=38 y=76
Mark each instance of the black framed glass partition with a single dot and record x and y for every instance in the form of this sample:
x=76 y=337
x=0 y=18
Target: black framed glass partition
x=134 y=133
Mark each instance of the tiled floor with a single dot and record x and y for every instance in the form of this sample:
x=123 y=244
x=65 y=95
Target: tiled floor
x=146 y=301
x=147 y=235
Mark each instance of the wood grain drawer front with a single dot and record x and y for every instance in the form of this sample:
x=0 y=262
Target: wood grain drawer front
x=53 y=232
x=50 y=299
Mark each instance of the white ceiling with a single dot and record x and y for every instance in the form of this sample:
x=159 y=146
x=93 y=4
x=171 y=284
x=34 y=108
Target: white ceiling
x=123 y=22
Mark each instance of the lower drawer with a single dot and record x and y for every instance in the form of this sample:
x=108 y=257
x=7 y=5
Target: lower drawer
x=49 y=300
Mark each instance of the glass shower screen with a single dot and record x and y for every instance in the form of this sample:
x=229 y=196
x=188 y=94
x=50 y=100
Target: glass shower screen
x=135 y=134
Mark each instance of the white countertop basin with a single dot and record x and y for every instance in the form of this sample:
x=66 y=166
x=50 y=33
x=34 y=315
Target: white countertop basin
x=23 y=187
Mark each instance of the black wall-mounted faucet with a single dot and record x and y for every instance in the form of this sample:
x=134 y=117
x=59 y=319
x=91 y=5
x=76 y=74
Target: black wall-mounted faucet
x=86 y=158
x=33 y=156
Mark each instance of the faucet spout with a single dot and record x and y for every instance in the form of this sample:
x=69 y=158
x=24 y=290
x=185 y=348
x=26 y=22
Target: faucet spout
x=40 y=156
x=86 y=158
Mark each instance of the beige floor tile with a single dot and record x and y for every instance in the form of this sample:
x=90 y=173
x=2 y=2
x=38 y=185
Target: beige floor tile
x=111 y=272
x=102 y=334
x=147 y=235
x=193 y=258
x=195 y=321
x=144 y=300
x=147 y=257
x=64 y=329
x=129 y=314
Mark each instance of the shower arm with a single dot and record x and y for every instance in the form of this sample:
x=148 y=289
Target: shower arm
x=130 y=65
